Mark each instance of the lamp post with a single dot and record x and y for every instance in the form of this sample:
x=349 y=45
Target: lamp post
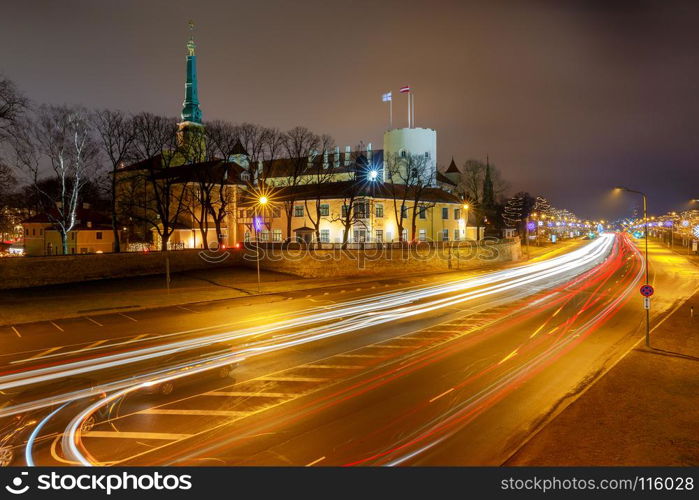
x=465 y=207
x=645 y=221
x=261 y=203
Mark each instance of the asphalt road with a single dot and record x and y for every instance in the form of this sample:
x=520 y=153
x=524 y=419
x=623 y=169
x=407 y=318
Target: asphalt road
x=452 y=370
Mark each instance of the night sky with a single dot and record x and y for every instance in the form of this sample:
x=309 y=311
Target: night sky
x=567 y=98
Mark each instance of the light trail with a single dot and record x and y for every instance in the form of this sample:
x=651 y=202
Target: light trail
x=362 y=315
x=578 y=261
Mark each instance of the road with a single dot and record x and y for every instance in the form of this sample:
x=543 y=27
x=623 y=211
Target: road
x=456 y=370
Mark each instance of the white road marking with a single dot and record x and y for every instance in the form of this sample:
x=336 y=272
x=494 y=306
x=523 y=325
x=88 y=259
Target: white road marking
x=135 y=435
x=58 y=327
x=243 y=394
x=187 y=309
x=293 y=379
x=443 y=394
x=16 y=331
x=44 y=353
x=386 y=346
x=128 y=317
x=359 y=355
x=208 y=413
x=94 y=344
x=315 y=462
x=92 y=320
x=333 y=367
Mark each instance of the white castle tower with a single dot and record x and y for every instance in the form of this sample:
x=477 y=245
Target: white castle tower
x=405 y=148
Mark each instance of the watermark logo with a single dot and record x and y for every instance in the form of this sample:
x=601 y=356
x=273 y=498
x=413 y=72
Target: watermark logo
x=17 y=488
x=215 y=254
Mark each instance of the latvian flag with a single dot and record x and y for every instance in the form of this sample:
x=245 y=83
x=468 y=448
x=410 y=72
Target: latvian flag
x=386 y=97
x=405 y=90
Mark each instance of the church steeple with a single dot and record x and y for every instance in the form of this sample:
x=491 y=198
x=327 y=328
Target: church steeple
x=190 y=106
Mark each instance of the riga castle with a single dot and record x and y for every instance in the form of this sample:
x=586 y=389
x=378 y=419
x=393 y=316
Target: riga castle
x=358 y=196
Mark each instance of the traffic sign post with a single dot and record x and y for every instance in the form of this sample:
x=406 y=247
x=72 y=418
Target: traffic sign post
x=647 y=291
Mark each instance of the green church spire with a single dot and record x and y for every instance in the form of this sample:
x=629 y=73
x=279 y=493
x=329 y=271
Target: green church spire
x=190 y=106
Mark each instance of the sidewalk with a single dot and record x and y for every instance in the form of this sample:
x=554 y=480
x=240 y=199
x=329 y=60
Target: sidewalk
x=143 y=292
x=644 y=411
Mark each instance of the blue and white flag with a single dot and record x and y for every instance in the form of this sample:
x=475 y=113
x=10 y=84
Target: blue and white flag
x=387 y=97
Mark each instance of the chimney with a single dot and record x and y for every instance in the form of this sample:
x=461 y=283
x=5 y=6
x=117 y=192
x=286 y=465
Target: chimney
x=336 y=159
x=347 y=155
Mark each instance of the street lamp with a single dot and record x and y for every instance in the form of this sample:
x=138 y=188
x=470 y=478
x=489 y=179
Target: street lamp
x=465 y=207
x=261 y=203
x=645 y=221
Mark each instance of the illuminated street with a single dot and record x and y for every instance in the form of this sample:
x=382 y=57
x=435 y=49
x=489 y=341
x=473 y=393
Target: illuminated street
x=458 y=370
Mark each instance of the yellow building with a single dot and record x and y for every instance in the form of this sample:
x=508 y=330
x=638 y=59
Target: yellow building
x=92 y=233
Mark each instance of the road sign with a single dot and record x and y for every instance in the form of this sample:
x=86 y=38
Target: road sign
x=647 y=290
x=646 y=302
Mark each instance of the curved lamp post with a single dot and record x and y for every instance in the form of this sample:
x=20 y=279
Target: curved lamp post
x=645 y=221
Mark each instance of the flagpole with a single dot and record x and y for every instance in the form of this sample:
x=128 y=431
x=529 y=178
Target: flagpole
x=390 y=113
x=409 y=119
x=412 y=118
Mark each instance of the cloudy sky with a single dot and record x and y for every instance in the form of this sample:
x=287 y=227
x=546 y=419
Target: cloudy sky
x=568 y=98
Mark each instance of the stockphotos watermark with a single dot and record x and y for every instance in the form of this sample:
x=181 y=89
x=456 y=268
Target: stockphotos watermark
x=453 y=253
x=98 y=482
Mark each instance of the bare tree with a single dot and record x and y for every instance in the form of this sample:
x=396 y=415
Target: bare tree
x=12 y=104
x=299 y=143
x=61 y=135
x=354 y=210
x=411 y=176
x=157 y=193
x=117 y=133
x=319 y=174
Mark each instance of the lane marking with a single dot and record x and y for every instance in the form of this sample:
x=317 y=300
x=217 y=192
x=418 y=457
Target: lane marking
x=187 y=309
x=557 y=311
x=58 y=327
x=360 y=355
x=512 y=354
x=44 y=353
x=244 y=394
x=16 y=331
x=128 y=317
x=443 y=394
x=386 y=346
x=138 y=337
x=135 y=435
x=94 y=344
x=208 y=413
x=315 y=462
x=537 y=331
x=334 y=367
x=92 y=320
x=293 y=379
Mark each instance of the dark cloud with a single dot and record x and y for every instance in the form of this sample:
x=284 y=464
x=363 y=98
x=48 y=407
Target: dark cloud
x=568 y=98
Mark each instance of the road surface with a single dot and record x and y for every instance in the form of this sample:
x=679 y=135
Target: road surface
x=455 y=370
